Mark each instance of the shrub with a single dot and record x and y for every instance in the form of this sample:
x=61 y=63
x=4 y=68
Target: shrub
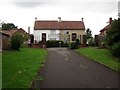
x=113 y=38
x=16 y=41
x=77 y=42
x=55 y=43
x=91 y=42
x=73 y=45
x=115 y=49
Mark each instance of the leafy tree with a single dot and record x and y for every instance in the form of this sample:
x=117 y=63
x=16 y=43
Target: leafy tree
x=89 y=37
x=113 y=38
x=17 y=40
x=8 y=26
x=88 y=33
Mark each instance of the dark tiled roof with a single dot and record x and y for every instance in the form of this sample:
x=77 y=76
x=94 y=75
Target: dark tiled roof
x=4 y=33
x=105 y=28
x=63 y=25
x=11 y=32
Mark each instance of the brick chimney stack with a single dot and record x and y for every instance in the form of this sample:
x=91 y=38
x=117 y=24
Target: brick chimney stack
x=28 y=30
x=82 y=19
x=59 y=19
x=35 y=18
x=110 y=20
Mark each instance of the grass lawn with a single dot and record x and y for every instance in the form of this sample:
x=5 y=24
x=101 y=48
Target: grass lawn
x=19 y=68
x=100 y=55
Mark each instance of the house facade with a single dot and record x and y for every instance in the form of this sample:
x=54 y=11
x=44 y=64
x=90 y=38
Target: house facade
x=103 y=33
x=67 y=31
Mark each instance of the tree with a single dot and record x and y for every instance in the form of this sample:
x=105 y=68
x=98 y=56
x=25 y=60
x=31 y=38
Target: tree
x=89 y=37
x=8 y=26
x=88 y=33
x=113 y=38
x=17 y=40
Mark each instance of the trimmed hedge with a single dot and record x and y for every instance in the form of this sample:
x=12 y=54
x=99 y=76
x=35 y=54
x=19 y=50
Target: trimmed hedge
x=115 y=49
x=55 y=43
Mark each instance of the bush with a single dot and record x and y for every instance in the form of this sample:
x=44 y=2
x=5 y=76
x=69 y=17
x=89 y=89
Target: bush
x=77 y=42
x=113 y=38
x=73 y=45
x=16 y=41
x=115 y=49
x=55 y=43
x=91 y=42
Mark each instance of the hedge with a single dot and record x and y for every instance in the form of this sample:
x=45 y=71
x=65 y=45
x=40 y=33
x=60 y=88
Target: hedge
x=55 y=43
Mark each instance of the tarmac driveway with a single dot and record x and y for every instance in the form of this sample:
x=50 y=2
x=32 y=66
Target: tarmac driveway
x=66 y=68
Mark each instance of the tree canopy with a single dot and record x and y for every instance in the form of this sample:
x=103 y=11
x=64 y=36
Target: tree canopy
x=17 y=40
x=88 y=33
x=113 y=38
x=8 y=26
x=89 y=37
x=113 y=34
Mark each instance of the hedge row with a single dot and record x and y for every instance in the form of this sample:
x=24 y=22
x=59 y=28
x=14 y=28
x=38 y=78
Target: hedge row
x=54 y=43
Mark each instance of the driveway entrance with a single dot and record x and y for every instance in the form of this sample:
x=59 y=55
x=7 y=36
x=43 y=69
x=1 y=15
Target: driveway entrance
x=66 y=68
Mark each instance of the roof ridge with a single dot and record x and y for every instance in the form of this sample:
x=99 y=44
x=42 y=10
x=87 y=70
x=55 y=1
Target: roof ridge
x=56 y=21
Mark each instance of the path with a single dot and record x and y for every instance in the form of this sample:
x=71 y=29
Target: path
x=66 y=68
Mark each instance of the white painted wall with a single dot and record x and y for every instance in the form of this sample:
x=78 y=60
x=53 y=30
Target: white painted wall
x=38 y=34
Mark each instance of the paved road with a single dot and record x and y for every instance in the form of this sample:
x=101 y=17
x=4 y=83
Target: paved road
x=67 y=69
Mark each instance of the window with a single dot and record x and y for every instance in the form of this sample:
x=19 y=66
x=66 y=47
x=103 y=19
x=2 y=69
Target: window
x=52 y=38
x=52 y=31
x=74 y=36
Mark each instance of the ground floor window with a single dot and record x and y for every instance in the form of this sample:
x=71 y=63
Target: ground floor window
x=52 y=38
x=74 y=36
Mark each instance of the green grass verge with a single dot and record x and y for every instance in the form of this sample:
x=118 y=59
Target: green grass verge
x=102 y=56
x=19 y=68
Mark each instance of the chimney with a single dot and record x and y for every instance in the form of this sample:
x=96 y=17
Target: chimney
x=28 y=30
x=110 y=20
x=59 y=19
x=82 y=19
x=35 y=18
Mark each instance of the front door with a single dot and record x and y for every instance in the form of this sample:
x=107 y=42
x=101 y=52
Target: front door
x=43 y=37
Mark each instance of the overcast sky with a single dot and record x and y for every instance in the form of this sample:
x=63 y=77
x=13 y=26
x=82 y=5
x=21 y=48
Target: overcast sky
x=22 y=13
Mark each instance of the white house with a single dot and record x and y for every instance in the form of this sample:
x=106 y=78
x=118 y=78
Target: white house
x=58 y=30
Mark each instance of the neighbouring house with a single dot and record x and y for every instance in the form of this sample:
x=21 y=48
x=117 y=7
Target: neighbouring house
x=7 y=34
x=103 y=34
x=67 y=31
x=4 y=41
